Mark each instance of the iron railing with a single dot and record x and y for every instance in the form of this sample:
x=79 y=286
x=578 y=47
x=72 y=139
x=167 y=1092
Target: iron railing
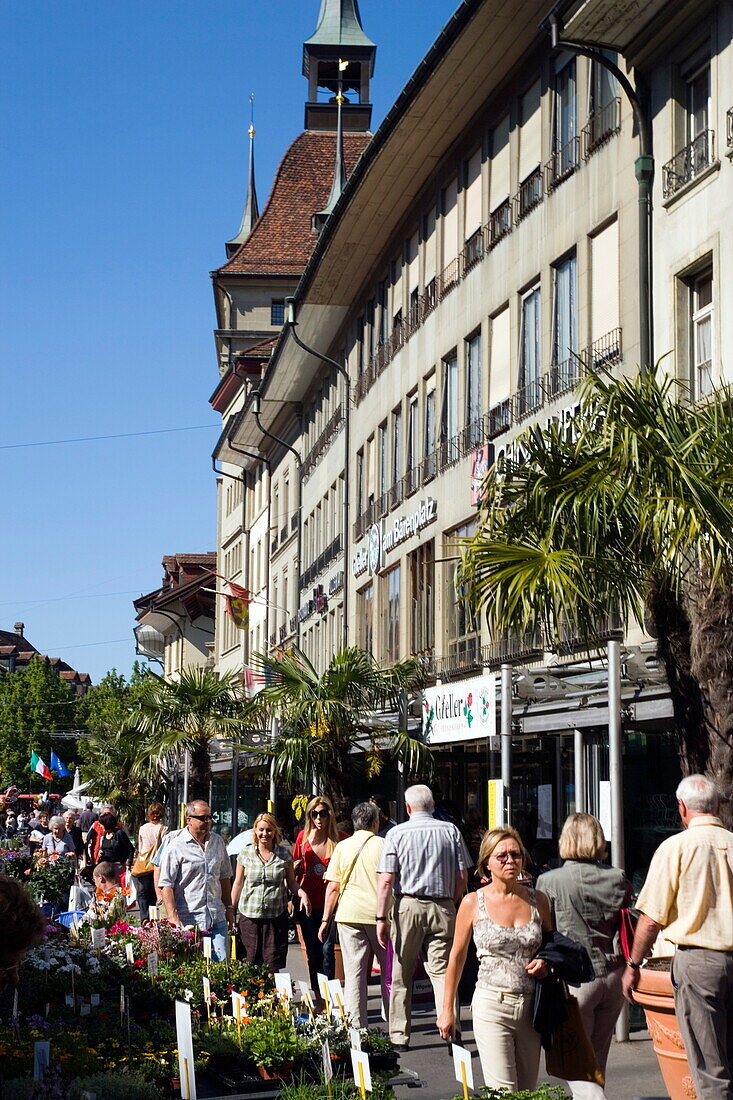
x=500 y=223
x=514 y=646
x=529 y=195
x=321 y=562
x=688 y=163
x=449 y=277
x=499 y=418
x=321 y=444
x=473 y=250
x=563 y=162
x=527 y=400
x=729 y=127
x=601 y=125
x=603 y=352
x=294 y=522
x=563 y=377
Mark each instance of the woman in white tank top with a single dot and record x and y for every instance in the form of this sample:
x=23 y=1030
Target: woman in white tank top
x=507 y=920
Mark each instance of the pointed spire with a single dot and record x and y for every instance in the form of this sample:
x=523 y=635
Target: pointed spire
x=339 y=168
x=251 y=207
x=339 y=24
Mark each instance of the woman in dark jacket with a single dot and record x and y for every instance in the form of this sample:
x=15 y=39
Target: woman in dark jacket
x=115 y=845
x=587 y=896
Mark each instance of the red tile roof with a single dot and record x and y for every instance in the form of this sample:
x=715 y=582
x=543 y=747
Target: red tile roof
x=282 y=239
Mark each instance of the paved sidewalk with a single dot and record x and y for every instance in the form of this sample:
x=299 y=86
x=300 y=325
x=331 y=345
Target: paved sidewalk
x=428 y=1067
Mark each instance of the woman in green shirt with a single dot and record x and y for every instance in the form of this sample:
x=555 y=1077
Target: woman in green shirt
x=263 y=880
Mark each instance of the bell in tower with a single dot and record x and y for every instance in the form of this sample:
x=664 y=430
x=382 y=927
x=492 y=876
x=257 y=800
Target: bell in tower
x=338 y=38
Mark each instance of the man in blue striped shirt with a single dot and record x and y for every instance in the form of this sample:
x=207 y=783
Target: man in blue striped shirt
x=424 y=863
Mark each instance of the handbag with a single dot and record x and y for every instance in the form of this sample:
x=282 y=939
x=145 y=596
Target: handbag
x=143 y=865
x=571 y=1055
x=626 y=930
x=342 y=887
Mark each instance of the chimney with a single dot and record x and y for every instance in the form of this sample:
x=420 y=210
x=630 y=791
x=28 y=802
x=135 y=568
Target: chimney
x=19 y=628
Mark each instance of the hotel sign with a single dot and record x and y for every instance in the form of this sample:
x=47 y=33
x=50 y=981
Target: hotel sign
x=384 y=537
x=461 y=711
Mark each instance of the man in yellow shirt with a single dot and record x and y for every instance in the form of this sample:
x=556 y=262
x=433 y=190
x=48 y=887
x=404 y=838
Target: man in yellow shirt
x=352 y=886
x=689 y=893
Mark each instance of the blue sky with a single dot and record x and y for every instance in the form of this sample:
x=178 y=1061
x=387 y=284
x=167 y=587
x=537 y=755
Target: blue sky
x=123 y=129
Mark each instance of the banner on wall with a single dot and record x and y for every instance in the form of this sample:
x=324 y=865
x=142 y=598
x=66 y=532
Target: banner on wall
x=461 y=711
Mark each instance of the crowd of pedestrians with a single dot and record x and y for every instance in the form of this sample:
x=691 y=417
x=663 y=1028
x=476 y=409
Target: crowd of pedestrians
x=469 y=904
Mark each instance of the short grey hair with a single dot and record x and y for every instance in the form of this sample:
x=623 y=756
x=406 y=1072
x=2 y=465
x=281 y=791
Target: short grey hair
x=420 y=797
x=190 y=806
x=365 y=815
x=56 y=820
x=699 y=794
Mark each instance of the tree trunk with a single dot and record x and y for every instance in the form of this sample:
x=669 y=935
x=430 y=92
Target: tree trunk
x=199 y=774
x=712 y=665
x=670 y=624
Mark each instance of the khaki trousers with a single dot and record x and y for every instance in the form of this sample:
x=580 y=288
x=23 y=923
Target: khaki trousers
x=508 y=1045
x=703 y=1003
x=599 y=1002
x=419 y=925
x=359 y=947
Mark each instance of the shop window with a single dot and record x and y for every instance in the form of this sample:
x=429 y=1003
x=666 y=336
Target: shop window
x=365 y=603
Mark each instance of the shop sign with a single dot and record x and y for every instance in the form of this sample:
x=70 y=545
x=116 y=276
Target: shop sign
x=318 y=603
x=461 y=711
x=407 y=526
x=336 y=583
x=481 y=459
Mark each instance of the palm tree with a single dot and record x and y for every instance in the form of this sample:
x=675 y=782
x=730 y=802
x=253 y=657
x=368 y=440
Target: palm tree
x=629 y=512
x=120 y=773
x=188 y=713
x=322 y=719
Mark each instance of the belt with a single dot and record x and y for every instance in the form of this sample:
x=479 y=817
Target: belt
x=425 y=897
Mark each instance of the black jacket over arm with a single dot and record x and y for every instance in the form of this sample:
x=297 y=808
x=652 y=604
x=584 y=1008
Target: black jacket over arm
x=569 y=962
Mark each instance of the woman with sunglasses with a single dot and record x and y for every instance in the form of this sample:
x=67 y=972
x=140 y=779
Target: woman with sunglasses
x=507 y=919
x=314 y=847
x=260 y=894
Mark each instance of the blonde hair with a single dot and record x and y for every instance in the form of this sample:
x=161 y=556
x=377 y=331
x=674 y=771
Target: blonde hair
x=489 y=843
x=272 y=822
x=309 y=827
x=582 y=838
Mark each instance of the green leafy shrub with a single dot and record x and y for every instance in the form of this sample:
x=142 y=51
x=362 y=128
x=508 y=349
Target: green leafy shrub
x=271 y=1040
x=542 y=1092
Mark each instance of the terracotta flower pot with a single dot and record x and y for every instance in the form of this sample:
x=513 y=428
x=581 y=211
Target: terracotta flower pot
x=275 y=1073
x=656 y=996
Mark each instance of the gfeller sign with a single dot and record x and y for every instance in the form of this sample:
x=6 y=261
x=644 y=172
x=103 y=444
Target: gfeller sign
x=461 y=711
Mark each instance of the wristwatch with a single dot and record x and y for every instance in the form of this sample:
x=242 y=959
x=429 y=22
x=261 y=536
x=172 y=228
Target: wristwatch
x=380 y=918
x=634 y=966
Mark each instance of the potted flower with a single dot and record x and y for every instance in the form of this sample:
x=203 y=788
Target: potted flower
x=272 y=1043
x=656 y=996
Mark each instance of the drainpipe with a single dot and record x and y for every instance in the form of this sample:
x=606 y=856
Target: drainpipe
x=644 y=171
x=256 y=402
x=291 y=323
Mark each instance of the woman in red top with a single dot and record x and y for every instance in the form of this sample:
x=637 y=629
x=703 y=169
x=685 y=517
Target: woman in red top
x=313 y=848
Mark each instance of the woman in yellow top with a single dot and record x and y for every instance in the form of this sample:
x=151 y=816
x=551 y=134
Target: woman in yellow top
x=149 y=840
x=352 y=886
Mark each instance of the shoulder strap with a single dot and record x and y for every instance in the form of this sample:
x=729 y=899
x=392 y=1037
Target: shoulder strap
x=353 y=864
x=481 y=901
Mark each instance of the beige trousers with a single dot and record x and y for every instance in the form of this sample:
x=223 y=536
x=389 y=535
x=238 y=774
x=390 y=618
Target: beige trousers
x=418 y=925
x=599 y=1002
x=359 y=947
x=508 y=1045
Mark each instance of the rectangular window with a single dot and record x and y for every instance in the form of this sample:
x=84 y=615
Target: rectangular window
x=396 y=447
x=430 y=441
x=564 y=368
x=697 y=96
x=370 y=330
x=499 y=169
x=530 y=363
x=365 y=600
x=500 y=372
x=449 y=414
x=462 y=629
x=429 y=239
x=383 y=459
x=565 y=123
x=472 y=209
x=391 y=604
x=701 y=340
x=450 y=222
x=530 y=133
x=473 y=389
x=383 y=311
x=604 y=308
x=412 y=459
x=359 y=483
x=422 y=599
x=604 y=108
x=277 y=311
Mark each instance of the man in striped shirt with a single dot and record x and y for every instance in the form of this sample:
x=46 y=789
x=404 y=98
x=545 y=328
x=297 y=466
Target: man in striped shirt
x=425 y=864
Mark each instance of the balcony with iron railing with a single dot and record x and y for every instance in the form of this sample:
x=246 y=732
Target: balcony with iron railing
x=527 y=400
x=473 y=250
x=449 y=277
x=563 y=162
x=515 y=646
x=603 y=352
x=688 y=164
x=321 y=562
x=529 y=195
x=321 y=444
x=500 y=223
x=601 y=126
x=499 y=418
x=562 y=378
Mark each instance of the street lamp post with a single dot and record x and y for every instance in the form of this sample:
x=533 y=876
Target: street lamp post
x=291 y=323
